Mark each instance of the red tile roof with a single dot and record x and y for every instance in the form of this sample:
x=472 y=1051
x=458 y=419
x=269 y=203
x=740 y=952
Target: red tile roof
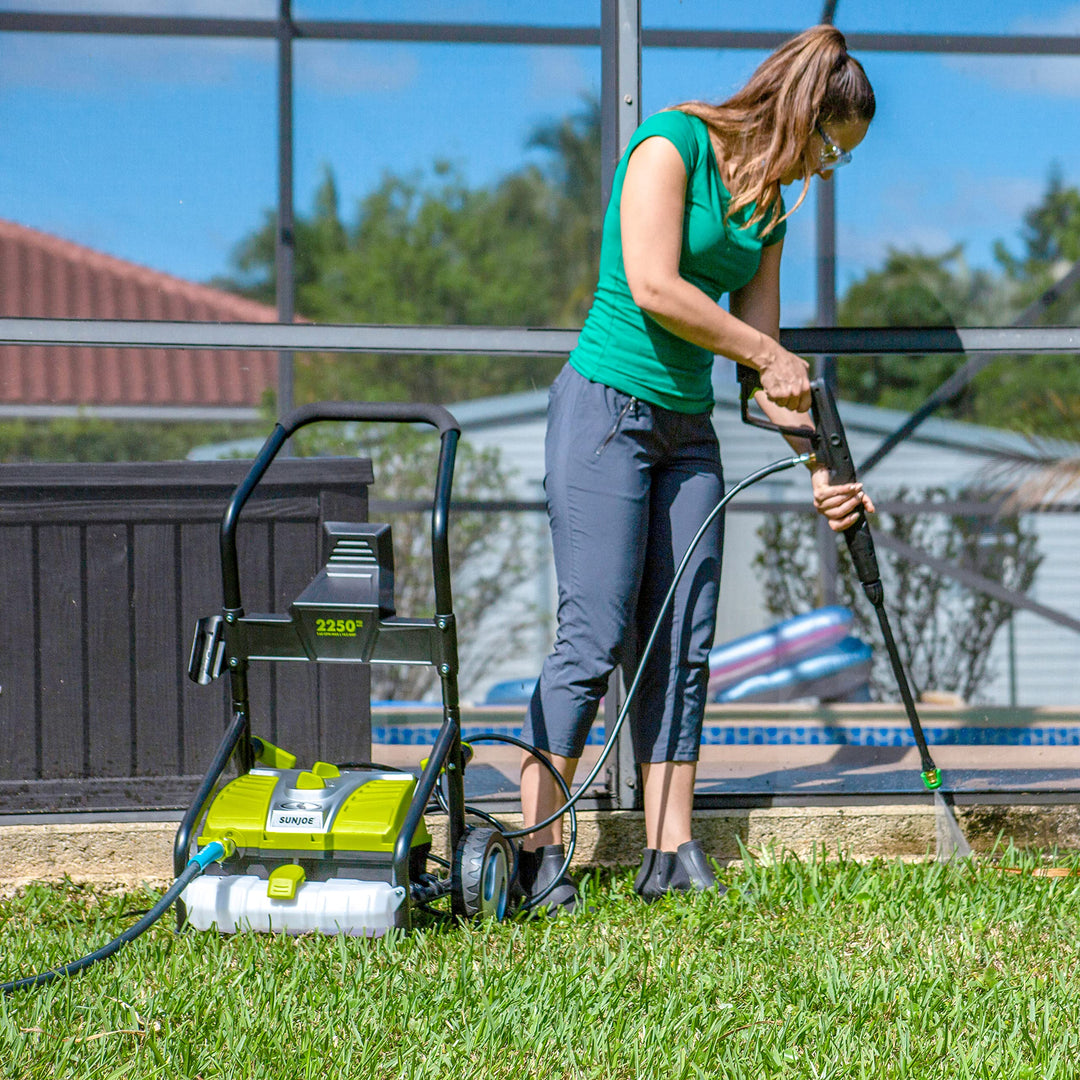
x=43 y=276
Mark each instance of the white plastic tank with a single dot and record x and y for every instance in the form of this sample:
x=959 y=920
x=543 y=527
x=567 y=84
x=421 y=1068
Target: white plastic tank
x=339 y=906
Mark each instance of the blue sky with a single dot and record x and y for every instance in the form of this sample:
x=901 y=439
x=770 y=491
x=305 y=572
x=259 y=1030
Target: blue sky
x=162 y=151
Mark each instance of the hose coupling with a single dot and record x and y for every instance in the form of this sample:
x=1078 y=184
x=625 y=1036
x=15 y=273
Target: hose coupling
x=215 y=851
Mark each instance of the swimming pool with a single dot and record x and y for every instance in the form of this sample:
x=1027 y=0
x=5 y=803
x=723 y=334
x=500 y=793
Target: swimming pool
x=860 y=726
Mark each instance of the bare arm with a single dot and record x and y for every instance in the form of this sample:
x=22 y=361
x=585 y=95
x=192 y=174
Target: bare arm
x=651 y=221
x=653 y=197
x=758 y=304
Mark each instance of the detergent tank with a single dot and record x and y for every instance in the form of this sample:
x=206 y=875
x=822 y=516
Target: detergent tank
x=314 y=851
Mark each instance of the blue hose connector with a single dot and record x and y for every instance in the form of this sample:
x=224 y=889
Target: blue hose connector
x=214 y=852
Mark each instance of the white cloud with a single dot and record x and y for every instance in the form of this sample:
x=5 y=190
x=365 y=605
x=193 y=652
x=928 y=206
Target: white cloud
x=235 y=9
x=974 y=211
x=340 y=67
x=969 y=201
x=867 y=249
x=1057 y=75
x=991 y=200
x=906 y=198
x=110 y=64
x=556 y=73
x=93 y=63
x=1065 y=21
x=901 y=223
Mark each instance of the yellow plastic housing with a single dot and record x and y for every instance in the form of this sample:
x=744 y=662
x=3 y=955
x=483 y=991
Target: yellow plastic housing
x=273 y=756
x=367 y=820
x=284 y=881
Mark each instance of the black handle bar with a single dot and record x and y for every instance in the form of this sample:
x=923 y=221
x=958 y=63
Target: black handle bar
x=364 y=412
x=829 y=444
x=370 y=412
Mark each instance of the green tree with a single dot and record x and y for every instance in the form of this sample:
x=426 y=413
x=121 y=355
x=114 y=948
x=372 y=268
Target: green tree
x=913 y=289
x=93 y=439
x=434 y=252
x=1050 y=242
x=574 y=179
x=1025 y=393
x=317 y=239
x=427 y=249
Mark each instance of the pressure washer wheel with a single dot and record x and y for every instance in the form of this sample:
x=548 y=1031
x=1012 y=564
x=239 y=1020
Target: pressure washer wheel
x=482 y=867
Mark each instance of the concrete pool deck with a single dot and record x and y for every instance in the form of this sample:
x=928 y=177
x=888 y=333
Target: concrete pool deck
x=805 y=750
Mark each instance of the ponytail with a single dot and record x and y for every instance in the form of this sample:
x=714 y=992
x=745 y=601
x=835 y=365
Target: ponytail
x=764 y=129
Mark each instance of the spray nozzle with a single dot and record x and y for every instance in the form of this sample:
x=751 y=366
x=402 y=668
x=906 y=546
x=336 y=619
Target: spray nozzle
x=931 y=779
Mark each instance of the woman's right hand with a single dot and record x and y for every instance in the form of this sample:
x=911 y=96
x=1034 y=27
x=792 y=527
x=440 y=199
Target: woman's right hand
x=839 y=504
x=785 y=378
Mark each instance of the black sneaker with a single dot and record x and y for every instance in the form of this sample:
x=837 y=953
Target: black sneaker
x=654 y=877
x=692 y=871
x=648 y=857
x=684 y=870
x=536 y=871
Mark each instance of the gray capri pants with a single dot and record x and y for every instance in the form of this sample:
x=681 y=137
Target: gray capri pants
x=628 y=484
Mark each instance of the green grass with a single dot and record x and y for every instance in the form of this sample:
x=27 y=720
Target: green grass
x=806 y=969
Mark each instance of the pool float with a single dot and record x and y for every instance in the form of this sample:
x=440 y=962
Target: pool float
x=840 y=672
x=777 y=646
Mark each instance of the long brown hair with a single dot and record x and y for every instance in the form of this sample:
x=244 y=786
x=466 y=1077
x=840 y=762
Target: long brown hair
x=764 y=130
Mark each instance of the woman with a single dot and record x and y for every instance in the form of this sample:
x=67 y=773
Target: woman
x=632 y=461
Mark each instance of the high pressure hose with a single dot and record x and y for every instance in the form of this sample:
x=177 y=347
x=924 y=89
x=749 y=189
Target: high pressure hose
x=212 y=853
x=571 y=800
x=570 y=805
x=830 y=447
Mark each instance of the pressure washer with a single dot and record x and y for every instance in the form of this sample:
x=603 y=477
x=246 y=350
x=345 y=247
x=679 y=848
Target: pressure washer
x=336 y=847
x=829 y=444
x=345 y=847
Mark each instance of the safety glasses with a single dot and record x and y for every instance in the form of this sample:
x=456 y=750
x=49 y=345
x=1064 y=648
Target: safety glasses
x=832 y=156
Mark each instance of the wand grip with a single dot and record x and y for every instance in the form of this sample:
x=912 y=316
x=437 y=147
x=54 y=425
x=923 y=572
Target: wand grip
x=831 y=449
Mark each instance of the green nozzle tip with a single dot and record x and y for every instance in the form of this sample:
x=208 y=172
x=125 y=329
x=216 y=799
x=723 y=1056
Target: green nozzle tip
x=932 y=779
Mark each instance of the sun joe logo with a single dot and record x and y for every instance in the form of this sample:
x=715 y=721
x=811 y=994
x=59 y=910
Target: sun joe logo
x=295 y=821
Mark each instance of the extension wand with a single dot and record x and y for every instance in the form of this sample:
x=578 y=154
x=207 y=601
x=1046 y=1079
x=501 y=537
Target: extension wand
x=830 y=447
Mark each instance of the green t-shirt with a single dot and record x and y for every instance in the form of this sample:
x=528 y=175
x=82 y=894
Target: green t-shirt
x=623 y=347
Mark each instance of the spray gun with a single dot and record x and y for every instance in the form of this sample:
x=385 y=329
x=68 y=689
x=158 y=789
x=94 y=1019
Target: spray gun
x=830 y=447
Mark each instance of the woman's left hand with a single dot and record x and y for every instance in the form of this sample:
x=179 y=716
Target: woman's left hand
x=838 y=503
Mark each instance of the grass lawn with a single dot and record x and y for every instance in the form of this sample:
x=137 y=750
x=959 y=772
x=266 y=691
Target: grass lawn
x=821 y=968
